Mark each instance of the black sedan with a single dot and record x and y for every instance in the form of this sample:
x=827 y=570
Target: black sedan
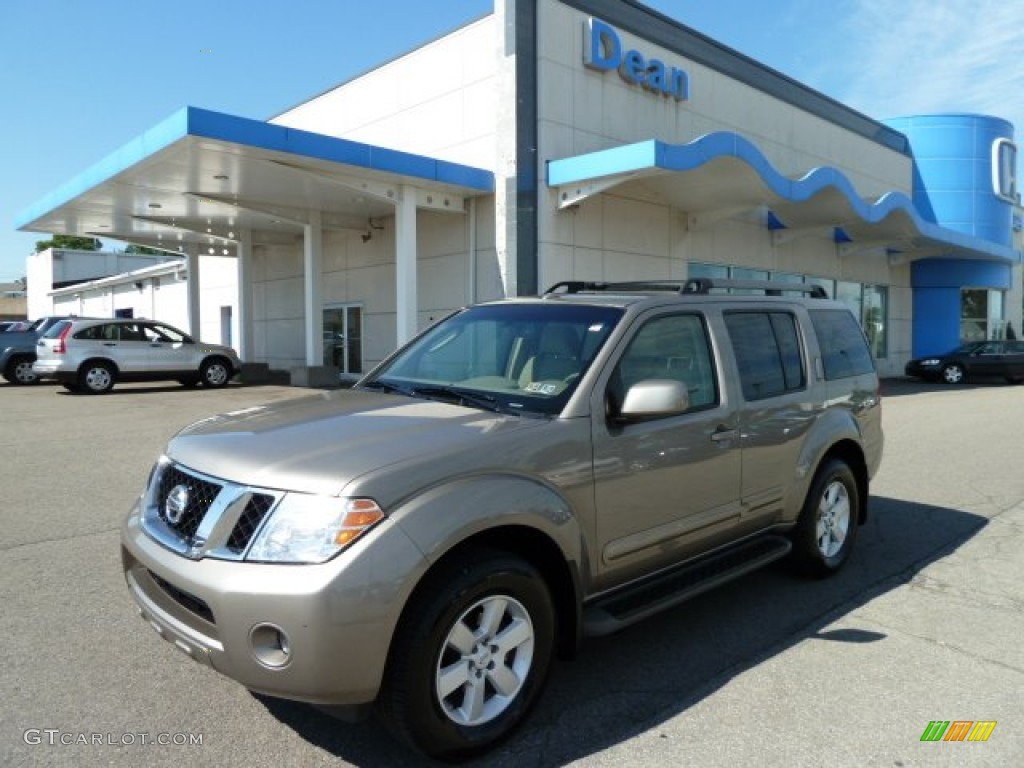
x=1004 y=359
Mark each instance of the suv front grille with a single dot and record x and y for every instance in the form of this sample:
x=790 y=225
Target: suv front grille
x=200 y=516
x=249 y=521
x=200 y=495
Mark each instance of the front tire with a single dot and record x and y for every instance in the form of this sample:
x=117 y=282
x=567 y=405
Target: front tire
x=215 y=372
x=19 y=371
x=96 y=378
x=953 y=374
x=470 y=656
x=825 y=532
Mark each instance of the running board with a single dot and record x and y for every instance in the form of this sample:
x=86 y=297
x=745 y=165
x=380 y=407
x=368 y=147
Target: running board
x=638 y=601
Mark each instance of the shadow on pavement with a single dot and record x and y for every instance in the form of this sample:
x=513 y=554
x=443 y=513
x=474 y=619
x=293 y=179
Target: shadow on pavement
x=628 y=683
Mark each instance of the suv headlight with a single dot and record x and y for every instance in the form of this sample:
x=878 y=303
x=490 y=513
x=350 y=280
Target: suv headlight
x=313 y=529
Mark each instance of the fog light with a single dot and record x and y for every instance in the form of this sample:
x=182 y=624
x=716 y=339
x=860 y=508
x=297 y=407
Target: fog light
x=270 y=646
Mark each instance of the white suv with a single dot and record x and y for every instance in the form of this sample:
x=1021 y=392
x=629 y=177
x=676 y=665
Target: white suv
x=92 y=355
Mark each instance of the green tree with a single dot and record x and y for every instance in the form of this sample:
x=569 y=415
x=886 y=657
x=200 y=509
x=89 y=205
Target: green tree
x=145 y=250
x=71 y=242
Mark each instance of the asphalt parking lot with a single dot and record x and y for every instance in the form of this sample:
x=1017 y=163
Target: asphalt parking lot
x=925 y=623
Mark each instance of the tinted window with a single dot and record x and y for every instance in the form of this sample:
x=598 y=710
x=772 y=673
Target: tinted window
x=674 y=347
x=131 y=332
x=767 y=351
x=844 y=350
x=93 y=332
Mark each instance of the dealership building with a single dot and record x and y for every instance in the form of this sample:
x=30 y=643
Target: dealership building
x=554 y=140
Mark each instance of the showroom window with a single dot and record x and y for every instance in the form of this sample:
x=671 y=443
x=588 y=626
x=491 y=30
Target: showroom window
x=982 y=314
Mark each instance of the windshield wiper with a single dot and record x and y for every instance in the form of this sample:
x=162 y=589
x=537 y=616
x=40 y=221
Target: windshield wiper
x=387 y=386
x=446 y=394
x=462 y=397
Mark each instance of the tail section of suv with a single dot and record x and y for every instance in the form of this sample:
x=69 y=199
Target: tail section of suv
x=522 y=474
x=90 y=356
x=18 y=350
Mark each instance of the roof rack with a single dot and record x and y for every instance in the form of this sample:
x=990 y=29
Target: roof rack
x=695 y=285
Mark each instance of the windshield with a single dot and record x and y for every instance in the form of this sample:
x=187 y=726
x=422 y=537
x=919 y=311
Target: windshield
x=966 y=349
x=506 y=357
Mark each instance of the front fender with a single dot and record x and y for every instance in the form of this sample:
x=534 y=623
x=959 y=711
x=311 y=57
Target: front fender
x=446 y=515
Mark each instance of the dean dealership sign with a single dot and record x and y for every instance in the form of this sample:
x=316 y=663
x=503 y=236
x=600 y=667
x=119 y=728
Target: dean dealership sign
x=603 y=51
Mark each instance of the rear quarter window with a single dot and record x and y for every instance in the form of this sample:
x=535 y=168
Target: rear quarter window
x=55 y=330
x=844 y=348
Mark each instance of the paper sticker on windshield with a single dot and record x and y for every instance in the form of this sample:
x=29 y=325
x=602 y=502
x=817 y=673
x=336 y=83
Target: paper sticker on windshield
x=596 y=328
x=541 y=388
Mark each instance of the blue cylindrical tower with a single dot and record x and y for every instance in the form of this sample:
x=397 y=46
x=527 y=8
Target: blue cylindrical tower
x=964 y=180
x=957 y=172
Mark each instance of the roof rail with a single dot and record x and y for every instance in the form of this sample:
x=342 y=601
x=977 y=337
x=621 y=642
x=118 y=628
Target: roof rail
x=695 y=285
x=770 y=287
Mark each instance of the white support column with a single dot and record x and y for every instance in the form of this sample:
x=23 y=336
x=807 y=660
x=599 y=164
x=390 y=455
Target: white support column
x=245 y=318
x=405 y=265
x=312 y=242
x=194 y=314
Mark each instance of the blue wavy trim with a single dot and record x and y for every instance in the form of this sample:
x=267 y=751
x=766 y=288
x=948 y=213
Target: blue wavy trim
x=654 y=154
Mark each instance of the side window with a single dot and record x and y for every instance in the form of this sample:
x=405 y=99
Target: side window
x=767 y=350
x=674 y=347
x=844 y=350
x=92 y=333
x=131 y=332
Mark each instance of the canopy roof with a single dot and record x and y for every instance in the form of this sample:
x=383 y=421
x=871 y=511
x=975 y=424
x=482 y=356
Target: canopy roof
x=199 y=177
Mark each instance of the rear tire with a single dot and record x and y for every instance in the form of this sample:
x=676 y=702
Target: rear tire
x=470 y=656
x=96 y=378
x=825 y=532
x=19 y=371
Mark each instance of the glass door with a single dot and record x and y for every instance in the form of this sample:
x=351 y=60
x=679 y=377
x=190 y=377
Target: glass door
x=343 y=337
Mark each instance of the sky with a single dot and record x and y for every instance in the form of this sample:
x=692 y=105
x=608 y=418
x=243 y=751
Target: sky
x=80 y=78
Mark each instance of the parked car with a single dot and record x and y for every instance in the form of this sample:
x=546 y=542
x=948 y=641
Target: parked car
x=1003 y=359
x=18 y=349
x=92 y=355
x=522 y=474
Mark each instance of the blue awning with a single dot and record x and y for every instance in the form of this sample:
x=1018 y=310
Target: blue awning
x=724 y=172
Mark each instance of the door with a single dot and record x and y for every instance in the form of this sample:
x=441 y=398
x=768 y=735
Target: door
x=126 y=345
x=343 y=337
x=669 y=487
x=170 y=349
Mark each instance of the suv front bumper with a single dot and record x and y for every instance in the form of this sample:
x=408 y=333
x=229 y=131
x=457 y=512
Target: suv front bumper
x=336 y=618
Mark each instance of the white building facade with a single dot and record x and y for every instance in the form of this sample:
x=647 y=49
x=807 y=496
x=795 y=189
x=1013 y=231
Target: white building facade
x=564 y=140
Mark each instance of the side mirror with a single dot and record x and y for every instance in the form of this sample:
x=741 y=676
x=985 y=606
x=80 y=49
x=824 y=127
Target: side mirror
x=653 y=398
